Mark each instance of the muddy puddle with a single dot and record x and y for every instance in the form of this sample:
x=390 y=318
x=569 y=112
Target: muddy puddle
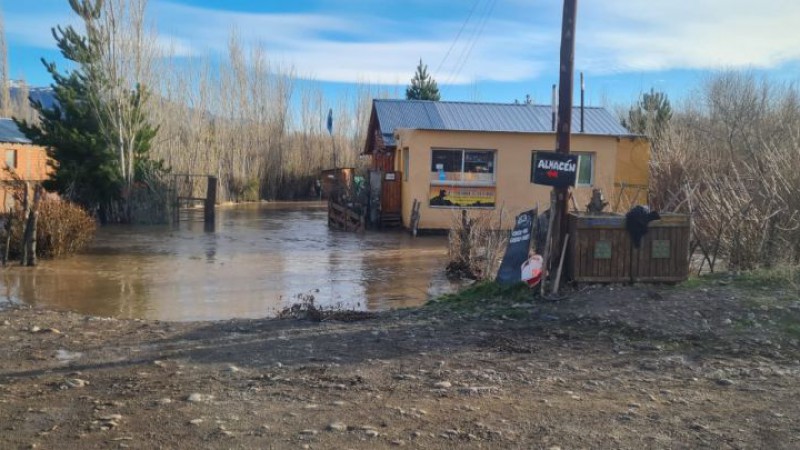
x=260 y=259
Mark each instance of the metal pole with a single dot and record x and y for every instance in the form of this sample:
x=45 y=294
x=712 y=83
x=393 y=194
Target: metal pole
x=566 y=84
x=583 y=100
x=554 y=108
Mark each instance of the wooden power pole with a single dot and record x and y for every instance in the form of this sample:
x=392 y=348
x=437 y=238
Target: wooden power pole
x=564 y=127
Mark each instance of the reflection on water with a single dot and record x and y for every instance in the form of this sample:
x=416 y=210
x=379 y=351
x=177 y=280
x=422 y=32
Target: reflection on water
x=258 y=261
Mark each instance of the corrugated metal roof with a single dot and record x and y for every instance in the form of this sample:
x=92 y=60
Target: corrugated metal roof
x=9 y=132
x=498 y=117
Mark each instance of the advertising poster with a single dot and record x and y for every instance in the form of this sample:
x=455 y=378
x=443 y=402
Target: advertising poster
x=462 y=196
x=519 y=244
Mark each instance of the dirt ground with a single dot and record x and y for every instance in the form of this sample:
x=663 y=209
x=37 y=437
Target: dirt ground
x=708 y=366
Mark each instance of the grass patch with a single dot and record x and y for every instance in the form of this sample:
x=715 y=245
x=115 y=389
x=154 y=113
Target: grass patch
x=787 y=277
x=486 y=295
x=790 y=327
x=781 y=277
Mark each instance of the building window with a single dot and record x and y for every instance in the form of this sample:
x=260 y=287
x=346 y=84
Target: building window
x=585 y=175
x=465 y=167
x=11 y=159
x=462 y=178
x=405 y=164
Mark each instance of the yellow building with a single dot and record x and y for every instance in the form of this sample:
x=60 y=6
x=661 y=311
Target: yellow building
x=451 y=156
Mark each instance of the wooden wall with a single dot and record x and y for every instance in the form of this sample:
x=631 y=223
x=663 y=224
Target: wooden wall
x=601 y=251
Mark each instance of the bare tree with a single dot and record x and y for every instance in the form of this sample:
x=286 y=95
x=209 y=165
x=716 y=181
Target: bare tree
x=120 y=75
x=5 y=82
x=731 y=158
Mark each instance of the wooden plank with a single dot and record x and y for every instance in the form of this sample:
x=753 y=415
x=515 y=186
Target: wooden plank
x=571 y=252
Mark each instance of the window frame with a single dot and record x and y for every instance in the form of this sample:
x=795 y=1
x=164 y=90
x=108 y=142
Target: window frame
x=461 y=181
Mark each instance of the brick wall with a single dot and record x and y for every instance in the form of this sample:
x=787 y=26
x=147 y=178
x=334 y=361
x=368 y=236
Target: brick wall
x=28 y=162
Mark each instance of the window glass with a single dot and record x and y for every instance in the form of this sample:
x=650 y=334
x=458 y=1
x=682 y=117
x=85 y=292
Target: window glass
x=468 y=166
x=585 y=169
x=405 y=164
x=446 y=165
x=11 y=159
x=479 y=166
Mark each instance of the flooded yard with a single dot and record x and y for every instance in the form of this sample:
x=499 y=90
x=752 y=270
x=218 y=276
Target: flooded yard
x=260 y=259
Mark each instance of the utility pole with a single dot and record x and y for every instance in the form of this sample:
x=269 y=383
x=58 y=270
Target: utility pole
x=564 y=127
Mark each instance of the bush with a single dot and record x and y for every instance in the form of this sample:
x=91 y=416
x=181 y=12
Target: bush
x=729 y=159
x=476 y=244
x=63 y=228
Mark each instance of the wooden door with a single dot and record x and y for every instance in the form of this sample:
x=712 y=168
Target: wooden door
x=391 y=201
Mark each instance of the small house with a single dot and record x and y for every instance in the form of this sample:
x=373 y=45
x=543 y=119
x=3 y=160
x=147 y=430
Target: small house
x=22 y=162
x=451 y=156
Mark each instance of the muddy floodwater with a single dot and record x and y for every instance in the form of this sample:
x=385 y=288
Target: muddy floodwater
x=260 y=259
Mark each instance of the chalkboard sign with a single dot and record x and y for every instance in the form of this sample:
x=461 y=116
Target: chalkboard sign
x=554 y=169
x=519 y=245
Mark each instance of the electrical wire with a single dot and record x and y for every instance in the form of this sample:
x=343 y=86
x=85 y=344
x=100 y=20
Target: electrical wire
x=458 y=35
x=465 y=55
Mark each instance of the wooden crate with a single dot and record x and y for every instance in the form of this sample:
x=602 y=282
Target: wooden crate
x=600 y=250
x=664 y=253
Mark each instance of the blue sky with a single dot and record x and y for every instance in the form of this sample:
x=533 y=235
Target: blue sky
x=488 y=50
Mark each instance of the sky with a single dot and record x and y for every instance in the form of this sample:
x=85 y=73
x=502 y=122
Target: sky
x=477 y=50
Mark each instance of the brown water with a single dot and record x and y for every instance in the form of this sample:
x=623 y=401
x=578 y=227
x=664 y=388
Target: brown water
x=259 y=260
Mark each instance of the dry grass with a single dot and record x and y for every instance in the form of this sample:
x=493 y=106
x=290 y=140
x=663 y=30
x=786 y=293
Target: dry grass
x=63 y=228
x=731 y=159
x=476 y=244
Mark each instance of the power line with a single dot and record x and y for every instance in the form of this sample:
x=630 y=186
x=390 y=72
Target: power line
x=458 y=36
x=465 y=55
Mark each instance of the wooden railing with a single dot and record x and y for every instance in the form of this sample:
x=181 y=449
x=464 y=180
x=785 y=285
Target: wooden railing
x=343 y=218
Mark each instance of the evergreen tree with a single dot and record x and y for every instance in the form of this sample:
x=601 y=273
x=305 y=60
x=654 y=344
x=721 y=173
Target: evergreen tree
x=87 y=168
x=650 y=115
x=423 y=86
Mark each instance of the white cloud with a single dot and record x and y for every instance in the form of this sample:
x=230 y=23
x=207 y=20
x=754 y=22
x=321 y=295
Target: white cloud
x=520 y=43
x=632 y=35
x=34 y=30
x=358 y=48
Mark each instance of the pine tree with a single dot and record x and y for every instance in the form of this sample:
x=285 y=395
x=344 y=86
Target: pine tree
x=650 y=115
x=86 y=167
x=423 y=86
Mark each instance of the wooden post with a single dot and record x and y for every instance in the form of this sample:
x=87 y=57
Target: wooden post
x=565 y=97
x=560 y=266
x=9 y=225
x=466 y=225
x=209 y=209
x=26 y=224
x=548 y=243
x=415 y=217
x=33 y=222
x=29 y=236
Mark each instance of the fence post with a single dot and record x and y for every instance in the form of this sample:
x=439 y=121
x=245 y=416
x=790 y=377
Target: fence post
x=210 y=204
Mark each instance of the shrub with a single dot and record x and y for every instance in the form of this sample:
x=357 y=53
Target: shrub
x=63 y=228
x=476 y=244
